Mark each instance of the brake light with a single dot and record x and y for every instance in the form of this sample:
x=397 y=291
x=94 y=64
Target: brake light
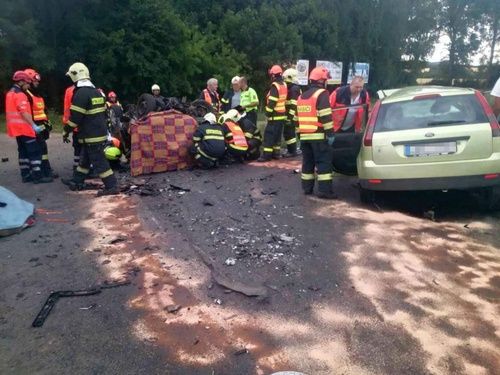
x=490 y=176
x=495 y=127
x=370 y=127
x=426 y=96
x=375 y=181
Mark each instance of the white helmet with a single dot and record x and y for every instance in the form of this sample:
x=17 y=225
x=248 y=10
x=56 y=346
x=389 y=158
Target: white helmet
x=155 y=87
x=235 y=79
x=78 y=71
x=210 y=117
x=233 y=115
x=290 y=75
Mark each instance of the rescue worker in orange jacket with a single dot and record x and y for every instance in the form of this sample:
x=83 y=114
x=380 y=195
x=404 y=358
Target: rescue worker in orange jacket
x=349 y=119
x=77 y=147
x=20 y=125
x=290 y=128
x=276 y=115
x=41 y=119
x=237 y=145
x=113 y=101
x=314 y=116
x=210 y=94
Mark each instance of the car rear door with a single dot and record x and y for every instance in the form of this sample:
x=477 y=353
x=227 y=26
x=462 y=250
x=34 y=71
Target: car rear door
x=431 y=129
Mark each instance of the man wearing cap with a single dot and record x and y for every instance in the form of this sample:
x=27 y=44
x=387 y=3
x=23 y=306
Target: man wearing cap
x=231 y=98
x=249 y=100
x=20 y=125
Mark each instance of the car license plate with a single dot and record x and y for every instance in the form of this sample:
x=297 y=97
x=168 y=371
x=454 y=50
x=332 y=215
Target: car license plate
x=431 y=149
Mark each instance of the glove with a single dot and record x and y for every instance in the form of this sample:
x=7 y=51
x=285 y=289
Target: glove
x=36 y=128
x=66 y=138
x=66 y=131
x=48 y=126
x=330 y=139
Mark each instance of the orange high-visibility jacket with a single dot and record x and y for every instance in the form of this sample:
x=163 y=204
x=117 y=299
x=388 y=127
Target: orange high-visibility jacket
x=16 y=102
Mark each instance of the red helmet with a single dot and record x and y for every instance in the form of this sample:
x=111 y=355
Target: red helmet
x=34 y=75
x=320 y=73
x=111 y=94
x=21 y=75
x=275 y=70
x=115 y=141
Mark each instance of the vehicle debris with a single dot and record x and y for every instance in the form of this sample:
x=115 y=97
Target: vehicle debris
x=5 y=160
x=230 y=261
x=173 y=308
x=270 y=192
x=117 y=240
x=179 y=188
x=247 y=289
x=241 y=351
x=88 y=307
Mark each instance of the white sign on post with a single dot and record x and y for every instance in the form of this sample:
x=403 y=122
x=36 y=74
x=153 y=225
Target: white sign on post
x=303 y=72
x=360 y=69
x=335 y=69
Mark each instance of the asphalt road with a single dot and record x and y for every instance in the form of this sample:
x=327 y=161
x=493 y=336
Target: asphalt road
x=408 y=285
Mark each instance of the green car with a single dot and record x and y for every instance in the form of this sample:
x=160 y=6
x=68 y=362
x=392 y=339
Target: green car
x=430 y=138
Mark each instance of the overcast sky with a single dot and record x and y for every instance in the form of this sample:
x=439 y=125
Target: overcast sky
x=441 y=51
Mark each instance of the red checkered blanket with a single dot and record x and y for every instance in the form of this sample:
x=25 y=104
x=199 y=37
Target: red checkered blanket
x=160 y=142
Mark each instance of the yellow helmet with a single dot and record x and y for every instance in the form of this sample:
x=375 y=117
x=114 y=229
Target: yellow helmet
x=112 y=153
x=78 y=71
x=290 y=75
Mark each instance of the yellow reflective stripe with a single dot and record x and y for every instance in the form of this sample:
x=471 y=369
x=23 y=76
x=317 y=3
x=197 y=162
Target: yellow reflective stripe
x=241 y=148
x=308 y=118
x=307 y=176
x=196 y=139
x=312 y=137
x=229 y=135
x=205 y=155
x=248 y=135
x=278 y=118
x=95 y=139
x=224 y=100
x=96 y=111
x=217 y=137
x=105 y=174
x=328 y=125
x=307 y=126
x=78 y=109
x=45 y=157
x=291 y=141
x=268 y=149
x=41 y=116
x=292 y=101
x=325 y=177
x=324 y=112
x=269 y=109
x=72 y=124
x=82 y=170
x=273 y=98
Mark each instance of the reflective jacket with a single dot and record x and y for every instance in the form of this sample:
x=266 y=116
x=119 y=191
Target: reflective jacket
x=88 y=113
x=294 y=92
x=68 y=95
x=37 y=107
x=235 y=137
x=276 y=99
x=341 y=97
x=211 y=98
x=16 y=102
x=210 y=141
x=314 y=114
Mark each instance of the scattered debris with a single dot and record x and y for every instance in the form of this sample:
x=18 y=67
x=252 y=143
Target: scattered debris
x=241 y=351
x=5 y=160
x=466 y=226
x=435 y=281
x=107 y=261
x=270 y=192
x=117 y=240
x=314 y=288
x=35 y=259
x=296 y=171
x=285 y=238
x=52 y=256
x=89 y=307
x=207 y=202
x=218 y=301
x=196 y=341
x=179 y=188
x=237 y=286
x=297 y=216
x=230 y=261
x=173 y=308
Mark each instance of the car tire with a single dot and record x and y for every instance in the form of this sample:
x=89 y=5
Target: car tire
x=366 y=196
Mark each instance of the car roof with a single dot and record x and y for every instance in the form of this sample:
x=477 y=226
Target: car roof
x=408 y=93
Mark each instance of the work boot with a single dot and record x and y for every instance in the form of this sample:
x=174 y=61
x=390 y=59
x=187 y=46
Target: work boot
x=73 y=185
x=43 y=180
x=293 y=154
x=109 y=191
x=326 y=195
x=27 y=178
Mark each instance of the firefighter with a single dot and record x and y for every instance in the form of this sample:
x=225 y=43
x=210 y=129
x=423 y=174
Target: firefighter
x=237 y=145
x=210 y=94
x=77 y=148
x=41 y=119
x=252 y=135
x=20 y=125
x=209 y=143
x=249 y=100
x=155 y=90
x=88 y=113
x=352 y=95
x=113 y=153
x=290 y=128
x=113 y=101
x=314 y=116
x=231 y=98
x=276 y=115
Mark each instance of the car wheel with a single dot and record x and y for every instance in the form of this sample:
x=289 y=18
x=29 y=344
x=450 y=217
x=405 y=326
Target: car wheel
x=366 y=196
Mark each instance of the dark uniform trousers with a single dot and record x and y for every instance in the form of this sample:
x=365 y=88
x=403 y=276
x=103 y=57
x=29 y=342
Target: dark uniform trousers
x=290 y=137
x=93 y=154
x=30 y=157
x=272 y=138
x=317 y=155
x=252 y=116
x=77 y=149
x=201 y=160
x=42 y=142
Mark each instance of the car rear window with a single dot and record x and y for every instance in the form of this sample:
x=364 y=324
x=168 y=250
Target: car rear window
x=430 y=112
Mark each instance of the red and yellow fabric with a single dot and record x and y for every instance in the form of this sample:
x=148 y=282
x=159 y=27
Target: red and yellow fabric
x=38 y=107
x=236 y=138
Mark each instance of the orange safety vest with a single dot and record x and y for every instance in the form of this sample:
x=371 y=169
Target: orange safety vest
x=239 y=140
x=339 y=115
x=38 y=108
x=208 y=98
x=282 y=95
x=16 y=102
x=308 y=114
x=68 y=96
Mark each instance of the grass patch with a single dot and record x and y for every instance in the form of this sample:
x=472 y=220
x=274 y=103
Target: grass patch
x=54 y=117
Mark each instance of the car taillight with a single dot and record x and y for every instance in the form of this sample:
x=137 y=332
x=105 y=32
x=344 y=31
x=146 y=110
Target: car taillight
x=370 y=127
x=495 y=127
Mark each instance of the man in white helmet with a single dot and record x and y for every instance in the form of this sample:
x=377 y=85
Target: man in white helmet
x=88 y=113
x=291 y=126
x=155 y=90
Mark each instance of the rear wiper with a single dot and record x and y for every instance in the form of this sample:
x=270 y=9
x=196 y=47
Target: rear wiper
x=447 y=122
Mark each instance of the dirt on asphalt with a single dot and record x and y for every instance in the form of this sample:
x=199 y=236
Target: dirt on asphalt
x=408 y=285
